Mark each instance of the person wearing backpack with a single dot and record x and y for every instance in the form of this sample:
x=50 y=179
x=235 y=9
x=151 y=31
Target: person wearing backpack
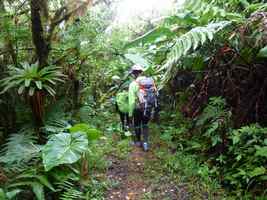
x=142 y=102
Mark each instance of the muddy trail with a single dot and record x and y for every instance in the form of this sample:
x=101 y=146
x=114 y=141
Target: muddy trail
x=138 y=177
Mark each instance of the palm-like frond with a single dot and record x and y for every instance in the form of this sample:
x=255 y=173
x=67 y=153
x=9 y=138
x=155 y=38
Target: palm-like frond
x=30 y=78
x=190 y=41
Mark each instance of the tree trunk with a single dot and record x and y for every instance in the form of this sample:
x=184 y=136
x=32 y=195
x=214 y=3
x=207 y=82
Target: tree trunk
x=38 y=36
x=37 y=106
x=42 y=51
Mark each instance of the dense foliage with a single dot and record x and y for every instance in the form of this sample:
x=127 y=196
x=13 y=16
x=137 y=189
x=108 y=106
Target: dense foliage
x=57 y=59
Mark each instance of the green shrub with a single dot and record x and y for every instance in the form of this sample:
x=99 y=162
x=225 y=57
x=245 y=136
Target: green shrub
x=236 y=156
x=246 y=158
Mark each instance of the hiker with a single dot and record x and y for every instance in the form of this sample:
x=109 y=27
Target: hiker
x=121 y=102
x=142 y=102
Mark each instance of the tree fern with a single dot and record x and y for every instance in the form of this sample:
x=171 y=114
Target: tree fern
x=190 y=41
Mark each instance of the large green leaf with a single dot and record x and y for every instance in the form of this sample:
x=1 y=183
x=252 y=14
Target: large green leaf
x=151 y=36
x=64 y=148
x=184 y=18
x=38 y=190
x=257 y=171
x=44 y=180
x=137 y=59
x=11 y=194
x=92 y=134
x=2 y=194
x=263 y=52
x=261 y=151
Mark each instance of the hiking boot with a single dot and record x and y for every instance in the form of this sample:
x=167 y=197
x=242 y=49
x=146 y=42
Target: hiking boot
x=145 y=146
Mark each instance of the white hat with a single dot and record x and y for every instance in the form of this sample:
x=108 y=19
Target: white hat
x=137 y=67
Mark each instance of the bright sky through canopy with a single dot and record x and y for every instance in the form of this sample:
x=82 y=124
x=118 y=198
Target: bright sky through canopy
x=128 y=10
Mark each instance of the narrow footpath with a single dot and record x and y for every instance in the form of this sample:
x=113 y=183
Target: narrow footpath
x=139 y=177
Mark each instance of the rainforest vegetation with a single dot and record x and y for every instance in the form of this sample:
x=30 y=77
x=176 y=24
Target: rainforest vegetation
x=60 y=135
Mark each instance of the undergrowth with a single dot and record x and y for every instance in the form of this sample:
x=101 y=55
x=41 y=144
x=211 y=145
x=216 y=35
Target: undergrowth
x=210 y=148
x=184 y=170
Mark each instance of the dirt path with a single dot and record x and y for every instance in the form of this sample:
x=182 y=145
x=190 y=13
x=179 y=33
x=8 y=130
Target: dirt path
x=131 y=180
x=129 y=176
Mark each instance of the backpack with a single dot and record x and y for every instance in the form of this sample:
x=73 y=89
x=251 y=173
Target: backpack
x=122 y=101
x=147 y=95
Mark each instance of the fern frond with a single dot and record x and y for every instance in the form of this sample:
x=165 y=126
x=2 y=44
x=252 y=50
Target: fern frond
x=55 y=121
x=210 y=11
x=20 y=148
x=190 y=41
x=70 y=191
x=55 y=126
x=54 y=111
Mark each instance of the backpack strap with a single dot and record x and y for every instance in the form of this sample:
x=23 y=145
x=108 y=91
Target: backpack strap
x=140 y=88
